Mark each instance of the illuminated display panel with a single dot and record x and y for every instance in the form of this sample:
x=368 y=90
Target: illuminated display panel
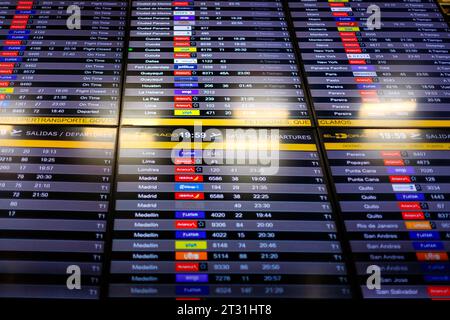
x=395 y=76
x=54 y=200
x=226 y=63
x=393 y=191
x=190 y=223
x=50 y=74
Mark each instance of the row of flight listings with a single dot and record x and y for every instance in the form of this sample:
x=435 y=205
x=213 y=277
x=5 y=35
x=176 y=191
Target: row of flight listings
x=154 y=217
x=238 y=63
x=230 y=212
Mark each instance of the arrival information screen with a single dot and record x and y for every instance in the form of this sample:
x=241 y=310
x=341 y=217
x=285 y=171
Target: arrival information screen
x=227 y=63
x=395 y=76
x=393 y=190
x=226 y=218
x=50 y=74
x=54 y=200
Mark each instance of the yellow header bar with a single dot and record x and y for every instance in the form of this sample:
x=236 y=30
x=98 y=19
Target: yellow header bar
x=58 y=120
x=56 y=144
x=133 y=144
x=386 y=146
x=383 y=123
x=218 y=122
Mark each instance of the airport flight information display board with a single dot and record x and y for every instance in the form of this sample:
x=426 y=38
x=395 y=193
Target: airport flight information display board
x=54 y=200
x=225 y=62
x=394 y=76
x=246 y=215
x=216 y=150
x=393 y=190
x=52 y=74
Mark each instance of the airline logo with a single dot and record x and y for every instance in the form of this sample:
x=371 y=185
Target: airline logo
x=184 y=161
x=187 y=267
x=400 y=170
x=192 y=255
x=186 y=91
x=186 y=112
x=341 y=9
x=189 y=196
x=190 y=235
x=181 y=3
x=436 y=267
x=182 y=28
x=185 y=79
x=185 y=67
x=186 y=224
x=189 y=153
x=358 y=56
x=184 y=13
x=404 y=187
x=185 y=85
x=428 y=246
x=413 y=216
x=191 y=278
x=190 y=214
x=185 y=169
x=398 y=162
x=189 y=187
x=399 y=179
x=439 y=291
x=190 y=290
x=182 y=33
x=418 y=225
x=183 y=105
x=365 y=74
x=410 y=197
x=414 y=206
x=432 y=256
x=183 y=99
x=186 y=60
x=182 y=73
x=437 y=278
x=189 y=178
x=189 y=245
x=185 y=49
x=426 y=235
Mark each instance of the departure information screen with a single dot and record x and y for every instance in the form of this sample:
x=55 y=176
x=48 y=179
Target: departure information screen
x=225 y=62
x=50 y=74
x=209 y=214
x=396 y=75
x=54 y=200
x=393 y=190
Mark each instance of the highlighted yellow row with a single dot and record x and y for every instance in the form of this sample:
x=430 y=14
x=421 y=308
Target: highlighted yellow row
x=386 y=146
x=56 y=144
x=58 y=120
